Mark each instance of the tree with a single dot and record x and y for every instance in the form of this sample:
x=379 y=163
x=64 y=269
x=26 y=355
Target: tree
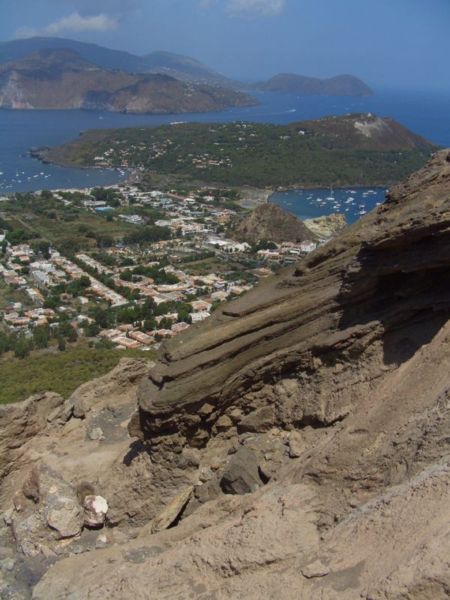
x=148 y=234
x=52 y=302
x=103 y=318
x=41 y=336
x=41 y=247
x=22 y=347
x=66 y=330
x=150 y=324
x=85 y=281
x=165 y=323
x=91 y=329
x=46 y=195
x=126 y=275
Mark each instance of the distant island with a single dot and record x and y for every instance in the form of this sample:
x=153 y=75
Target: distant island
x=359 y=149
x=290 y=83
x=62 y=79
x=178 y=66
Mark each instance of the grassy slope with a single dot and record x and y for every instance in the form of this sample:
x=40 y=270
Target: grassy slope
x=331 y=152
x=60 y=372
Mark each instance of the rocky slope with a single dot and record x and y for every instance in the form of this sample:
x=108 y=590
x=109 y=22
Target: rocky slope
x=270 y=222
x=327 y=226
x=61 y=79
x=293 y=446
x=341 y=85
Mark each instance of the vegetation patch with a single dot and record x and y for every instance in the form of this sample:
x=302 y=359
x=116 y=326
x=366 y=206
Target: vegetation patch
x=54 y=371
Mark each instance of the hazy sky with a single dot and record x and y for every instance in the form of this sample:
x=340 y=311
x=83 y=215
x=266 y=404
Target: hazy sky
x=391 y=42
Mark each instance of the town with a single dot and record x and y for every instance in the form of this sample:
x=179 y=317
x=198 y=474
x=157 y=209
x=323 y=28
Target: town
x=168 y=263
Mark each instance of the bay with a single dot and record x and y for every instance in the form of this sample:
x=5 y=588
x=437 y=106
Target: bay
x=353 y=203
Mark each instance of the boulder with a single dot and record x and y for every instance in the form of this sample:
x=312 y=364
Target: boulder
x=315 y=569
x=223 y=423
x=64 y=516
x=55 y=506
x=173 y=510
x=296 y=444
x=241 y=475
x=259 y=421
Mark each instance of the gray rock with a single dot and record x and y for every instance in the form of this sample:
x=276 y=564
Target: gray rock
x=223 y=423
x=315 y=569
x=207 y=491
x=61 y=413
x=206 y=473
x=241 y=475
x=101 y=541
x=296 y=444
x=96 y=434
x=64 y=516
x=28 y=533
x=80 y=407
x=6 y=552
x=58 y=503
x=8 y=516
x=61 y=509
x=7 y=564
x=259 y=421
x=172 y=511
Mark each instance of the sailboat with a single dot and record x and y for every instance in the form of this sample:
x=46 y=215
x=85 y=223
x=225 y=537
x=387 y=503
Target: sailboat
x=331 y=196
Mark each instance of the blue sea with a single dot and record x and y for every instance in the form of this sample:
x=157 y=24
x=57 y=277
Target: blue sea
x=427 y=114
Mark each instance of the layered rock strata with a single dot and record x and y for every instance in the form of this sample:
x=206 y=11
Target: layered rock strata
x=306 y=344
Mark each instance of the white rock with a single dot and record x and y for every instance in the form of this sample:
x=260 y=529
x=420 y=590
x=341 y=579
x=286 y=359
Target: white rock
x=95 y=509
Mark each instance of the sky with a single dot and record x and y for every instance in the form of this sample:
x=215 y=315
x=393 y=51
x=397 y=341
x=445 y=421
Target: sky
x=388 y=43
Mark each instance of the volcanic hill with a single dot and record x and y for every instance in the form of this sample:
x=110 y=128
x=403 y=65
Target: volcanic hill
x=355 y=149
x=272 y=223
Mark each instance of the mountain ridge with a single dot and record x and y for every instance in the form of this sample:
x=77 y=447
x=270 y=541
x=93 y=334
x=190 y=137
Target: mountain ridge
x=62 y=79
x=176 y=65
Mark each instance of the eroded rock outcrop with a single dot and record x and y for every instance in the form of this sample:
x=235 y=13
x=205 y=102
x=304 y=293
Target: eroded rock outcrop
x=328 y=226
x=311 y=341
